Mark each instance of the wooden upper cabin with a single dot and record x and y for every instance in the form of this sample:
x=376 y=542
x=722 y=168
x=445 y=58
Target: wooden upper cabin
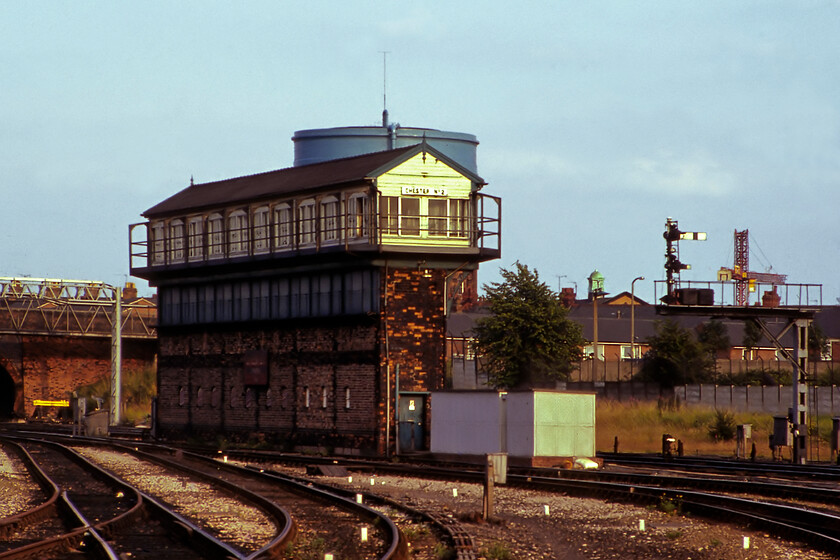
x=407 y=204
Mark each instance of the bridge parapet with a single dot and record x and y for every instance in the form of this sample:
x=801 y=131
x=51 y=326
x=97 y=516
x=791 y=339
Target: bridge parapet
x=39 y=306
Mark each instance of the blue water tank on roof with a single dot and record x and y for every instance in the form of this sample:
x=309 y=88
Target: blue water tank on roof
x=325 y=144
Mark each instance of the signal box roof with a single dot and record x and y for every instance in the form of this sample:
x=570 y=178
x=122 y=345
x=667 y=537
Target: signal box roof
x=345 y=171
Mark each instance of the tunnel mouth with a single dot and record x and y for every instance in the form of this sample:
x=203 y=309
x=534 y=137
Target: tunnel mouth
x=7 y=395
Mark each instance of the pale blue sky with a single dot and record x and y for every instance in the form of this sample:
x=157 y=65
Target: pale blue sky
x=597 y=120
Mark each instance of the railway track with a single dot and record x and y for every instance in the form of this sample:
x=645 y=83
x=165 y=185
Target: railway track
x=323 y=521
x=89 y=513
x=810 y=471
x=709 y=497
x=735 y=498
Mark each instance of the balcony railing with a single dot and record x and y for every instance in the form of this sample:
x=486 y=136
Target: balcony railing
x=723 y=294
x=154 y=246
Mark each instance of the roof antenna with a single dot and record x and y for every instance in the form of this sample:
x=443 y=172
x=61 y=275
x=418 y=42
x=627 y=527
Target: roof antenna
x=384 y=88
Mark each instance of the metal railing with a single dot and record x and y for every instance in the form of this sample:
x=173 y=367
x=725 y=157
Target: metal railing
x=51 y=307
x=724 y=293
x=157 y=248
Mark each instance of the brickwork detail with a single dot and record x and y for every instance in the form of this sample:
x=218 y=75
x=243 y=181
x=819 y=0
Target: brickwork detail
x=339 y=363
x=52 y=367
x=416 y=327
x=202 y=389
x=415 y=323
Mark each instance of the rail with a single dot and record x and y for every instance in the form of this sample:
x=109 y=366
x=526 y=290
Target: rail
x=159 y=247
x=723 y=294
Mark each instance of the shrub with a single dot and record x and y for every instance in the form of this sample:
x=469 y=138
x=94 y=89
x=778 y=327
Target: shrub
x=443 y=552
x=497 y=551
x=722 y=426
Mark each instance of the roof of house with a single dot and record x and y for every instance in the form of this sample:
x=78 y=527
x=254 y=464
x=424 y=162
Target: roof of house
x=614 y=323
x=344 y=171
x=624 y=298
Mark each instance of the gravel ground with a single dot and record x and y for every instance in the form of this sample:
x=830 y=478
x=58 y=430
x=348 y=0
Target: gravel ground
x=577 y=528
x=18 y=492
x=228 y=519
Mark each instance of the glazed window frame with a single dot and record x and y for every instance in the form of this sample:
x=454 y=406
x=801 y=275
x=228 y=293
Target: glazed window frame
x=358 y=216
x=158 y=234
x=238 y=232
x=307 y=222
x=262 y=240
x=330 y=220
x=176 y=241
x=410 y=216
x=195 y=239
x=438 y=212
x=216 y=236
x=389 y=215
x=283 y=226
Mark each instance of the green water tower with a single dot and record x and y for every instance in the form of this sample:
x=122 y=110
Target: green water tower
x=596 y=285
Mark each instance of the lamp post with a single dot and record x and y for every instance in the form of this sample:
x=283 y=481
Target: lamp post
x=633 y=322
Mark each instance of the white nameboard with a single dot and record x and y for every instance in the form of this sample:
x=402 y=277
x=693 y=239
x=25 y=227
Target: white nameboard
x=424 y=191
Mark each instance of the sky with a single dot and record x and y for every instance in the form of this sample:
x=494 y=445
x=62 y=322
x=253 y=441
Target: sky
x=596 y=121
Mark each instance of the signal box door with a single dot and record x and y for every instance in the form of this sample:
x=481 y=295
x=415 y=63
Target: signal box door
x=412 y=429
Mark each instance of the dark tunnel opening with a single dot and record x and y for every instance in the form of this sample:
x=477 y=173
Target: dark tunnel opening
x=7 y=394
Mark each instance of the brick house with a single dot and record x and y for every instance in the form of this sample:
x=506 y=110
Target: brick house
x=307 y=305
x=616 y=360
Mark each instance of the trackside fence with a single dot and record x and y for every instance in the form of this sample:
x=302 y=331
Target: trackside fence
x=775 y=400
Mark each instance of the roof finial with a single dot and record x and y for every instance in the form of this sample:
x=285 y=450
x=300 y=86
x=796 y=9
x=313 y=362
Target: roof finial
x=191 y=181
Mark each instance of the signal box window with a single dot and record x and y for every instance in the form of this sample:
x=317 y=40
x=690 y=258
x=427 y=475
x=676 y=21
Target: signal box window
x=409 y=216
x=437 y=217
x=283 y=226
x=390 y=215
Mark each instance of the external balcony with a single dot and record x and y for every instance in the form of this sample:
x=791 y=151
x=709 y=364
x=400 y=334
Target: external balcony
x=265 y=237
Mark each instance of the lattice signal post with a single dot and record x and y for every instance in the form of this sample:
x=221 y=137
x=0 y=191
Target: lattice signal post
x=701 y=302
x=673 y=266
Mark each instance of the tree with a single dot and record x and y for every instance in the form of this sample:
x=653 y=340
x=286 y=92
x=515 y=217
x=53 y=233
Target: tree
x=752 y=335
x=818 y=343
x=675 y=357
x=714 y=336
x=527 y=339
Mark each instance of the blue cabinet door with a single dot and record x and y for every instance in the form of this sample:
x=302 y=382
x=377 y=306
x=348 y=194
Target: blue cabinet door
x=412 y=429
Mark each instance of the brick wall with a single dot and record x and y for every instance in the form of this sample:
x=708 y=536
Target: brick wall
x=202 y=390
x=416 y=327
x=52 y=367
x=344 y=358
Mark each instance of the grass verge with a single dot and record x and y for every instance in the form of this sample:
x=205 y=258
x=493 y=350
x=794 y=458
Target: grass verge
x=639 y=427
